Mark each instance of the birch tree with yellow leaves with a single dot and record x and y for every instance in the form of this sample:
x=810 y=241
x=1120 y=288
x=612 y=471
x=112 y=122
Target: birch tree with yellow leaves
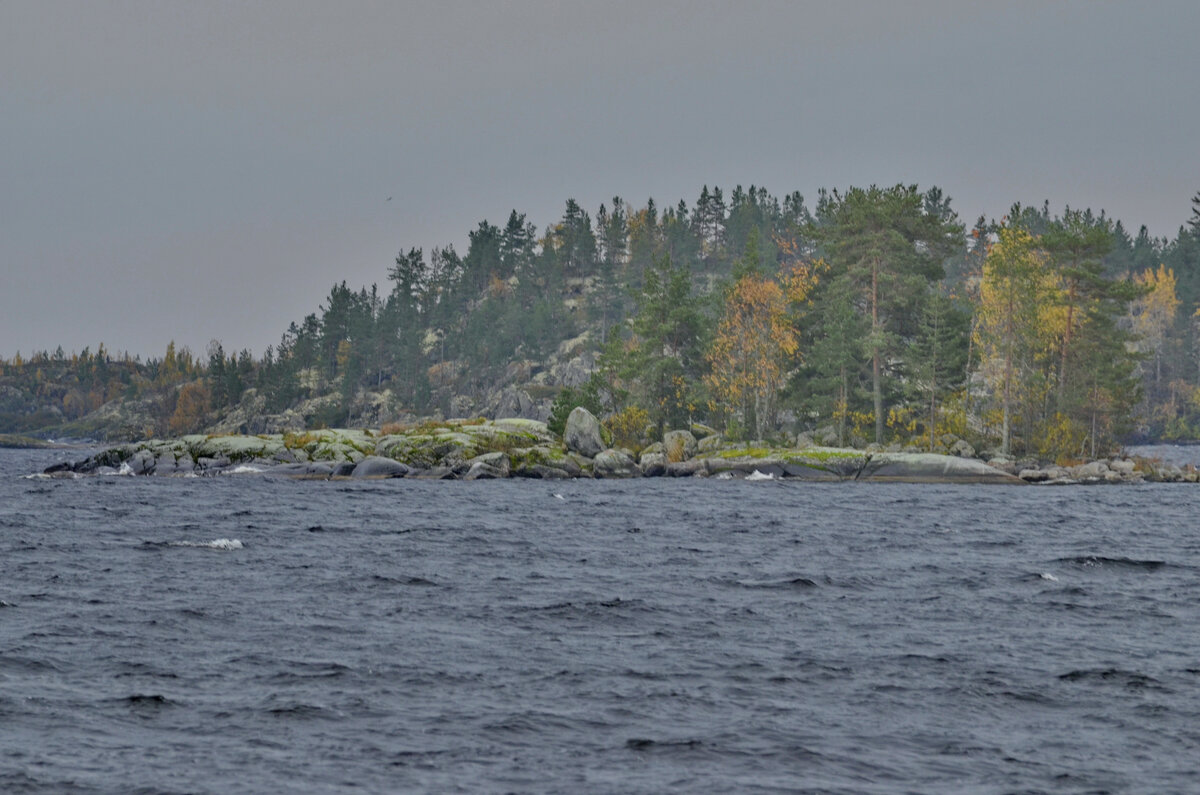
x=1153 y=313
x=1019 y=319
x=755 y=342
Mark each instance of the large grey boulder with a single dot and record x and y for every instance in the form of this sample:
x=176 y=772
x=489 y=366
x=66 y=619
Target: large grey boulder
x=378 y=467
x=489 y=466
x=614 y=464
x=679 y=445
x=582 y=434
x=142 y=462
x=1093 y=470
x=963 y=449
x=653 y=464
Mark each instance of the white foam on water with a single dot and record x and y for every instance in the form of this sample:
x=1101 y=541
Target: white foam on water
x=756 y=475
x=244 y=469
x=1045 y=575
x=559 y=497
x=219 y=543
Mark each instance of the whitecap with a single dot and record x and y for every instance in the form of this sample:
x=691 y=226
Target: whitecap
x=725 y=476
x=244 y=469
x=219 y=543
x=559 y=497
x=1045 y=575
x=756 y=475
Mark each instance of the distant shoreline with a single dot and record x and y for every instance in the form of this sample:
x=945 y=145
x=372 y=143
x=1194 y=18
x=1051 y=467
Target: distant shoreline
x=18 y=442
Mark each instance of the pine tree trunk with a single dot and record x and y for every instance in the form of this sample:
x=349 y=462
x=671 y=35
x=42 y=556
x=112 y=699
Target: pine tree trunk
x=1004 y=434
x=1062 y=367
x=932 y=413
x=842 y=411
x=876 y=378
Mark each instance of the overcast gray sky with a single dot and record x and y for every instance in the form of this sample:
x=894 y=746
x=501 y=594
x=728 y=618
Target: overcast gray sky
x=193 y=171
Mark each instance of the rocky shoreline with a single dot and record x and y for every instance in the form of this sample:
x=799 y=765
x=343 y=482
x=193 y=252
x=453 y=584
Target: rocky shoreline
x=507 y=448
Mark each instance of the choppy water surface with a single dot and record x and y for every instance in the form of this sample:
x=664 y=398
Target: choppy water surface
x=247 y=634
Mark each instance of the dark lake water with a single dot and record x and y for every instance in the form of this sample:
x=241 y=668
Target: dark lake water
x=243 y=634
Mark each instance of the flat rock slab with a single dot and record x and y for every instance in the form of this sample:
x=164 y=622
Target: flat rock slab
x=931 y=468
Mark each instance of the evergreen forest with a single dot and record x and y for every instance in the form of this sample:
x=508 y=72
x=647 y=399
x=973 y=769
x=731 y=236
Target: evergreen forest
x=872 y=316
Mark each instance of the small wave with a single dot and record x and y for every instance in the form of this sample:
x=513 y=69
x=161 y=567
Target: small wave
x=756 y=475
x=59 y=475
x=646 y=744
x=404 y=580
x=217 y=543
x=1116 y=676
x=1045 y=575
x=298 y=710
x=147 y=700
x=786 y=584
x=1096 y=561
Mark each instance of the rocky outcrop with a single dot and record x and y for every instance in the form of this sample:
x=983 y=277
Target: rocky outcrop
x=473 y=449
x=1117 y=470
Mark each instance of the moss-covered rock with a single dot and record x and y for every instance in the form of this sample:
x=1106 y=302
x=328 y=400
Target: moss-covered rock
x=823 y=463
x=679 y=445
x=237 y=448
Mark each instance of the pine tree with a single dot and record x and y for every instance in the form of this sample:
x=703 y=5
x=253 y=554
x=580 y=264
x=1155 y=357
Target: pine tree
x=890 y=249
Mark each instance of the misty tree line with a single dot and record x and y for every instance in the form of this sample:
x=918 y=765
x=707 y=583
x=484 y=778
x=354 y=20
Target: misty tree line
x=874 y=314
